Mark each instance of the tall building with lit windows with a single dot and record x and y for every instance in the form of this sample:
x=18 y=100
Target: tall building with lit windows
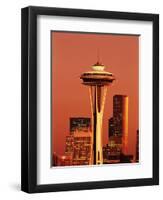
x=79 y=143
x=118 y=124
x=82 y=153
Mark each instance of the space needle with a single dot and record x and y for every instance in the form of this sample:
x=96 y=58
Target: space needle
x=98 y=81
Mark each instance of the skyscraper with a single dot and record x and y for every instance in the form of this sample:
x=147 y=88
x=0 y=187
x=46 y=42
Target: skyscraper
x=98 y=79
x=118 y=124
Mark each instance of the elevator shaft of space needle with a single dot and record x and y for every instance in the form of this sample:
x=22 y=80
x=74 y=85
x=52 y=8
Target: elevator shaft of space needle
x=98 y=81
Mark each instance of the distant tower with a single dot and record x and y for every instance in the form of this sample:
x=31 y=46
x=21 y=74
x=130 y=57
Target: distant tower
x=98 y=79
x=137 y=146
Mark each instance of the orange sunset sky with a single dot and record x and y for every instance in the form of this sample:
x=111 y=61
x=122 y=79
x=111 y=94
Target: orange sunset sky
x=73 y=54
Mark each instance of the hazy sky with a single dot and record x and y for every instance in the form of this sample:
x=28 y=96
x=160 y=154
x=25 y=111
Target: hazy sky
x=73 y=54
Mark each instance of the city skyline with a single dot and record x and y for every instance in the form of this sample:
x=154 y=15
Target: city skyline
x=79 y=142
x=78 y=50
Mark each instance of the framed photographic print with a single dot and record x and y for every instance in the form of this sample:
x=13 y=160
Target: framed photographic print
x=90 y=99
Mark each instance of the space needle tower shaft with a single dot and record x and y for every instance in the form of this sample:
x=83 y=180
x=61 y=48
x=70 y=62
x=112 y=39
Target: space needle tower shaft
x=98 y=81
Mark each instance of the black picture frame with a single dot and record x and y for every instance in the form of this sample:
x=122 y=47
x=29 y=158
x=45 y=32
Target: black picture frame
x=29 y=99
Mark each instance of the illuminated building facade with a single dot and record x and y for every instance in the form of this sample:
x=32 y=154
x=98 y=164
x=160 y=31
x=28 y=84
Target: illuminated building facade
x=98 y=81
x=113 y=154
x=82 y=148
x=112 y=150
x=79 y=143
x=118 y=124
x=61 y=160
x=80 y=124
x=69 y=145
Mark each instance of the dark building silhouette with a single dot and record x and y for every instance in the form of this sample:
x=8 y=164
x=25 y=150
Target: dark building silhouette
x=111 y=127
x=111 y=153
x=119 y=109
x=126 y=158
x=80 y=124
x=118 y=124
x=137 y=146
